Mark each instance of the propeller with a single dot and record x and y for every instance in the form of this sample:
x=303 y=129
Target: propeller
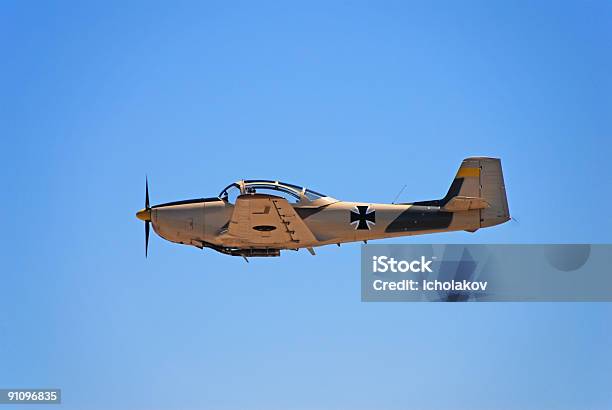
x=145 y=215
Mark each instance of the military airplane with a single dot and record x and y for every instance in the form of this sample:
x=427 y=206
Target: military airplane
x=261 y=217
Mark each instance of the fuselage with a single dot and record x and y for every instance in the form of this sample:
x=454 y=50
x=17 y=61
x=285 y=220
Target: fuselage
x=206 y=221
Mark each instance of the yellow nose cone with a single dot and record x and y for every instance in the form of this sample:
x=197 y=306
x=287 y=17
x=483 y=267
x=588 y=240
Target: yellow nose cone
x=144 y=215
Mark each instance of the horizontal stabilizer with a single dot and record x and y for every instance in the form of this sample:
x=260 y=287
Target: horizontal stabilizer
x=465 y=203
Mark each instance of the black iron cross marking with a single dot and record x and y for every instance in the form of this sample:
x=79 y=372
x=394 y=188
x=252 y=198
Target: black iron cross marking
x=362 y=217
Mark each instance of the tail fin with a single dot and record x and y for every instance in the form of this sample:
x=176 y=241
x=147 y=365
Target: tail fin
x=478 y=185
x=482 y=178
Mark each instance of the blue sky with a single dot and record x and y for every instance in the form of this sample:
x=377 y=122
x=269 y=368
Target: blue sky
x=354 y=99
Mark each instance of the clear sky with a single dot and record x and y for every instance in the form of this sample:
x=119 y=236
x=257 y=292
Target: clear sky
x=353 y=99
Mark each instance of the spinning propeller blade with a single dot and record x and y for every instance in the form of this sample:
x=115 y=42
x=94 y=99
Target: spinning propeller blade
x=145 y=215
x=147 y=238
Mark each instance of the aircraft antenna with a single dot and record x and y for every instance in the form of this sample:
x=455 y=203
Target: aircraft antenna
x=399 y=193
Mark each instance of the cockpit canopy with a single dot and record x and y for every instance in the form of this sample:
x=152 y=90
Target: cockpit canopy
x=293 y=193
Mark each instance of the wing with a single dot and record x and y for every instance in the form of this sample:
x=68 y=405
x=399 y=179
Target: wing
x=266 y=220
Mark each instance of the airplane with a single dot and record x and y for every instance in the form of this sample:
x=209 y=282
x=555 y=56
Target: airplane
x=259 y=218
